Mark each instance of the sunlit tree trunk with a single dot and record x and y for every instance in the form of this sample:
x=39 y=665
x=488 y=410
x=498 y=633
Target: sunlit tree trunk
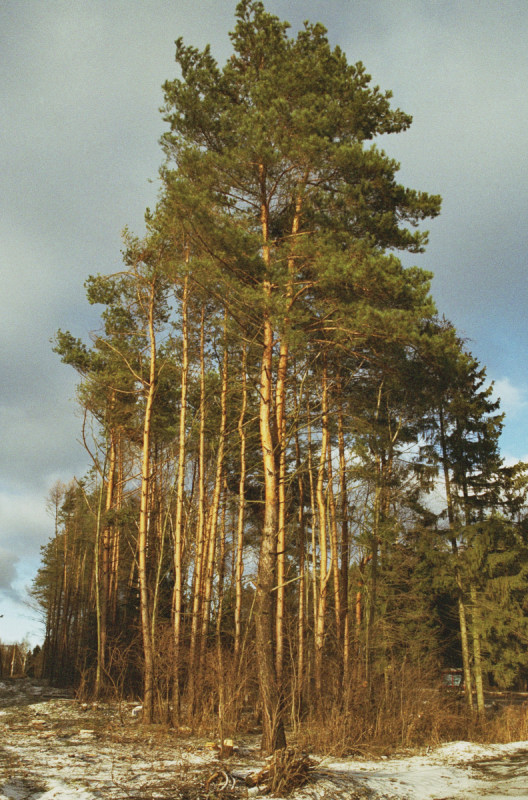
x=324 y=571
x=345 y=555
x=313 y=507
x=107 y=542
x=239 y=568
x=180 y=487
x=280 y=413
x=200 y=554
x=462 y=617
x=148 y=694
x=100 y=606
x=301 y=613
x=115 y=549
x=477 y=657
x=212 y=522
x=334 y=545
x=273 y=733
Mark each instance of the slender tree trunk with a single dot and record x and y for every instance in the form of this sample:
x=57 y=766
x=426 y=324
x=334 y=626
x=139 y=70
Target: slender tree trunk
x=219 y=620
x=215 y=504
x=477 y=658
x=115 y=545
x=106 y=564
x=280 y=395
x=239 y=567
x=313 y=506
x=270 y=691
x=373 y=587
x=334 y=545
x=462 y=617
x=148 y=650
x=301 y=614
x=98 y=590
x=280 y=413
x=200 y=556
x=345 y=554
x=324 y=571
x=180 y=487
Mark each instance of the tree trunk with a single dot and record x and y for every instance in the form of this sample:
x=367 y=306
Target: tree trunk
x=301 y=614
x=280 y=414
x=148 y=694
x=324 y=571
x=464 y=641
x=212 y=522
x=178 y=523
x=477 y=658
x=239 y=568
x=345 y=555
x=200 y=555
x=270 y=691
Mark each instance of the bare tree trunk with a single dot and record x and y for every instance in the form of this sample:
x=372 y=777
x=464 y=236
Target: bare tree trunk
x=106 y=565
x=212 y=523
x=273 y=734
x=178 y=523
x=301 y=621
x=280 y=414
x=464 y=640
x=334 y=550
x=280 y=401
x=98 y=591
x=201 y=549
x=239 y=568
x=315 y=588
x=220 y=672
x=115 y=544
x=324 y=572
x=477 y=658
x=148 y=695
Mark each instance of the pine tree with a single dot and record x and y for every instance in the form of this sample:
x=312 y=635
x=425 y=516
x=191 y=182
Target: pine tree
x=266 y=161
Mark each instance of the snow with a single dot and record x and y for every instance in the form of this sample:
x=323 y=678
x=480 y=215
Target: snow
x=451 y=771
x=59 y=749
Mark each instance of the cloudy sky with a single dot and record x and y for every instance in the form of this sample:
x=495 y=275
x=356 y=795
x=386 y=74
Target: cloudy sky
x=80 y=89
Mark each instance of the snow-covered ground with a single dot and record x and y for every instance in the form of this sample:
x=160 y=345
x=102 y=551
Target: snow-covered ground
x=54 y=748
x=454 y=770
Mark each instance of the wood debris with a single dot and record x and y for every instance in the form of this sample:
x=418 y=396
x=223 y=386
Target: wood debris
x=287 y=770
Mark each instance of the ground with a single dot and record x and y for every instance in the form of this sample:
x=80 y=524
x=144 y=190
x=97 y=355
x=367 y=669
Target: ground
x=53 y=747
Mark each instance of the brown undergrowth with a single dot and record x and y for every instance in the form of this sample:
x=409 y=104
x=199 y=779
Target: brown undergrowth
x=404 y=707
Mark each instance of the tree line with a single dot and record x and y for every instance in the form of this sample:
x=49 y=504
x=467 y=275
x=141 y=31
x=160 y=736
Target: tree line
x=296 y=485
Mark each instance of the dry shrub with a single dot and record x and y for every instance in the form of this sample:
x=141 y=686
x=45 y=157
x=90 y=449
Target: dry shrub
x=225 y=698
x=409 y=709
x=509 y=724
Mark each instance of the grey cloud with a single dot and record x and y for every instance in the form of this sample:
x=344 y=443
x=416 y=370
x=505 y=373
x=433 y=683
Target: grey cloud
x=8 y=573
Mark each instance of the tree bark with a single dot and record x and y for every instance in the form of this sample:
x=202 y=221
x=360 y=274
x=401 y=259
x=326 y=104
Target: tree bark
x=178 y=523
x=464 y=640
x=270 y=691
x=477 y=657
x=239 y=568
x=148 y=654
x=324 y=571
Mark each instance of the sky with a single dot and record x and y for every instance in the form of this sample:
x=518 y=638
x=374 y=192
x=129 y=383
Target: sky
x=80 y=93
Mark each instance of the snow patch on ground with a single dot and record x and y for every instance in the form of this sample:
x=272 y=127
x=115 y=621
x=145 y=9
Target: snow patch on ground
x=455 y=770
x=59 y=749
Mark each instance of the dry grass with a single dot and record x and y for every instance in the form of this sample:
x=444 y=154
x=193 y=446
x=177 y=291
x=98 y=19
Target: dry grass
x=509 y=724
x=412 y=710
